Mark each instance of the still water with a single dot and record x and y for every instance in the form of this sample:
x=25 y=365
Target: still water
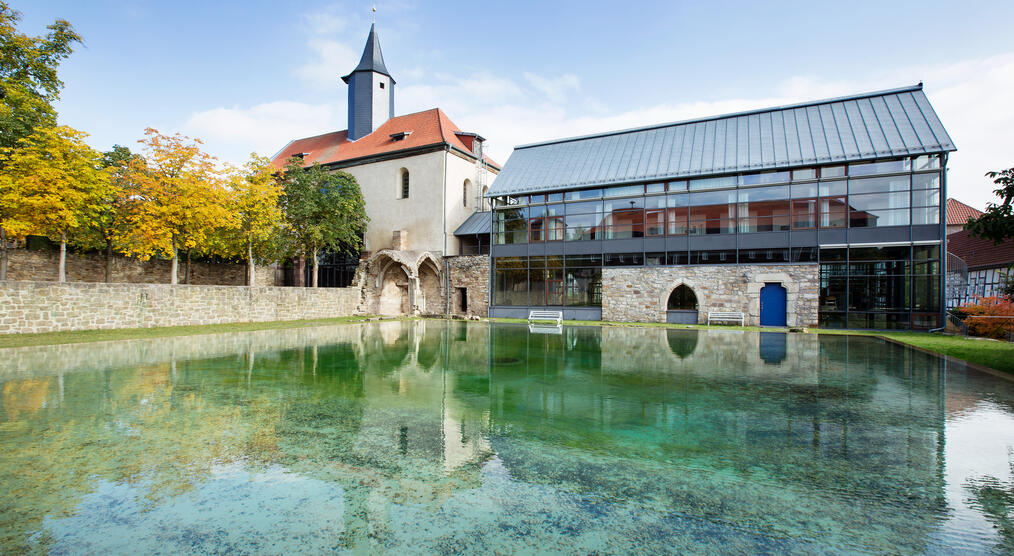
x=449 y=437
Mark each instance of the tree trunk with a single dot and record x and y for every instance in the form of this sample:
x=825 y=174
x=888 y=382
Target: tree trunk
x=109 y=261
x=314 y=271
x=186 y=269
x=174 y=266
x=61 y=269
x=249 y=263
x=3 y=254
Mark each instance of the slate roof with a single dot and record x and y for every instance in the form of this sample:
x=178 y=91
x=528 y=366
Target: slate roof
x=958 y=213
x=373 y=58
x=478 y=223
x=875 y=125
x=428 y=128
x=980 y=253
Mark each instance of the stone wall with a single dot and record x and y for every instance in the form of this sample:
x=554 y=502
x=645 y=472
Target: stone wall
x=49 y=306
x=641 y=294
x=91 y=267
x=472 y=273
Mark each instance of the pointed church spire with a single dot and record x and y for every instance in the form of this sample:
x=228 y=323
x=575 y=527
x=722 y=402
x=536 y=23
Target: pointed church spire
x=373 y=58
x=371 y=90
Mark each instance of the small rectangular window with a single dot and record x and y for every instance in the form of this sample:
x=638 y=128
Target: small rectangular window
x=381 y=84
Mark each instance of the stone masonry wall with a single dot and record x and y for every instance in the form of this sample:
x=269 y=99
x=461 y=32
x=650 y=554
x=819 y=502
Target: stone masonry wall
x=91 y=267
x=49 y=306
x=472 y=273
x=641 y=294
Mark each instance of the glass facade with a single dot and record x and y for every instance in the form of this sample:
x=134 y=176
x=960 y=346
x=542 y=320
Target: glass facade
x=895 y=286
x=866 y=195
x=889 y=286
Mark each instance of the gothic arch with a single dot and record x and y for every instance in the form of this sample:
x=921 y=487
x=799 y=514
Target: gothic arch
x=663 y=301
x=682 y=298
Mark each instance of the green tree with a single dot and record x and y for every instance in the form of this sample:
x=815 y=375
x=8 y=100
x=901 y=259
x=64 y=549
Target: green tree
x=28 y=79
x=108 y=218
x=997 y=222
x=253 y=198
x=323 y=211
x=60 y=181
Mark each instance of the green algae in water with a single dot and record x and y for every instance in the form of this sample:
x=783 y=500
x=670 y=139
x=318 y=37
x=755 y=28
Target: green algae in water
x=445 y=437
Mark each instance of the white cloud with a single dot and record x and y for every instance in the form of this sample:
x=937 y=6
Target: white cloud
x=233 y=133
x=555 y=89
x=334 y=42
x=323 y=70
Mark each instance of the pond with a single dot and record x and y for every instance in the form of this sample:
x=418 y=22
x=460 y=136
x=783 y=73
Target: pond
x=449 y=437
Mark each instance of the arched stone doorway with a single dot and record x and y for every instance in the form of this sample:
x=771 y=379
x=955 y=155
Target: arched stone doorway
x=681 y=307
x=430 y=299
x=394 y=287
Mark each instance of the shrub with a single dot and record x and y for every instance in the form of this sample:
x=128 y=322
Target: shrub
x=997 y=328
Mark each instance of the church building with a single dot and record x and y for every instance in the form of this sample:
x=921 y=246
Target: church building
x=422 y=178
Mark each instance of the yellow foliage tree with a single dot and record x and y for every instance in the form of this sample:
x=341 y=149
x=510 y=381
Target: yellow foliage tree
x=254 y=192
x=56 y=180
x=176 y=198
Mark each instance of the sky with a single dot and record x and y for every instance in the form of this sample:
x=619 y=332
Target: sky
x=250 y=76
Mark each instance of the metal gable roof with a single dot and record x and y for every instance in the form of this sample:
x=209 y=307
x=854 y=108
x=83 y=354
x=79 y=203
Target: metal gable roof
x=477 y=223
x=883 y=124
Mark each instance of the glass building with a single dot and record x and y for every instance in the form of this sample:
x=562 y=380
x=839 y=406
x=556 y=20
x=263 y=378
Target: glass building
x=853 y=186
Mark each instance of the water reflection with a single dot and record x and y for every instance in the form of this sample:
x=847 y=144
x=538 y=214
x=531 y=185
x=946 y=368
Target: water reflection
x=451 y=436
x=773 y=346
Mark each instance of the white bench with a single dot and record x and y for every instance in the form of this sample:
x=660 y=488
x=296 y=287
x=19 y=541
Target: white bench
x=556 y=316
x=727 y=316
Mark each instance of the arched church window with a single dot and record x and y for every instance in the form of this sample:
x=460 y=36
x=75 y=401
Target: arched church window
x=404 y=184
x=464 y=193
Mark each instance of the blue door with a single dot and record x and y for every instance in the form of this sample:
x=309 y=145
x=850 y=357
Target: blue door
x=772 y=305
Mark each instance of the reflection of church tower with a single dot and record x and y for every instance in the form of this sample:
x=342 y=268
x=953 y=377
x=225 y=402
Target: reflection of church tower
x=371 y=91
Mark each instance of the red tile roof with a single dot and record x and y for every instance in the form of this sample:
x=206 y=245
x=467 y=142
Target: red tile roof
x=958 y=213
x=978 y=252
x=428 y=128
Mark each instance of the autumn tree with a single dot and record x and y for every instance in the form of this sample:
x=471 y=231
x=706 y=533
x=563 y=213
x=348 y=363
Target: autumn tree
x=323 y=211
x=176 y=198
x=59 y=182
x=254 y=192
x=28 y=79
x=108 y=215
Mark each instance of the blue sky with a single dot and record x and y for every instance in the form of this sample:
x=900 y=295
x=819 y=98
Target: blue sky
x=249 y=76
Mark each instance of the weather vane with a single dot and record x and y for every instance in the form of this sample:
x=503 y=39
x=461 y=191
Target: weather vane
x=374 y=12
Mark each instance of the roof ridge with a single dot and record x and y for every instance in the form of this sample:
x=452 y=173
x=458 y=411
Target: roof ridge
x=910 y=88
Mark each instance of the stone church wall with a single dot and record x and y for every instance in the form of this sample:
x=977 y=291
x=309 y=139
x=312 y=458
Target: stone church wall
x=91 y=267
x=641 y=294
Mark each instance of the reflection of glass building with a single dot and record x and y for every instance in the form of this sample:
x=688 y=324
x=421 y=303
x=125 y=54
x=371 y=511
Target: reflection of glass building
x=849 y=189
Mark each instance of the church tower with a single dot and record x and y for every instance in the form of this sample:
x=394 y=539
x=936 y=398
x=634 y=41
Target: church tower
x=371 y=91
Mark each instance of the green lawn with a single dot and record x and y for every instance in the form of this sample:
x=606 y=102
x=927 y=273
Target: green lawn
x=988 y=353
x=981 y=351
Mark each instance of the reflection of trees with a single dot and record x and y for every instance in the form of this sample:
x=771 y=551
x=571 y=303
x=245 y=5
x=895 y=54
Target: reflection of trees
x=995 y=498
